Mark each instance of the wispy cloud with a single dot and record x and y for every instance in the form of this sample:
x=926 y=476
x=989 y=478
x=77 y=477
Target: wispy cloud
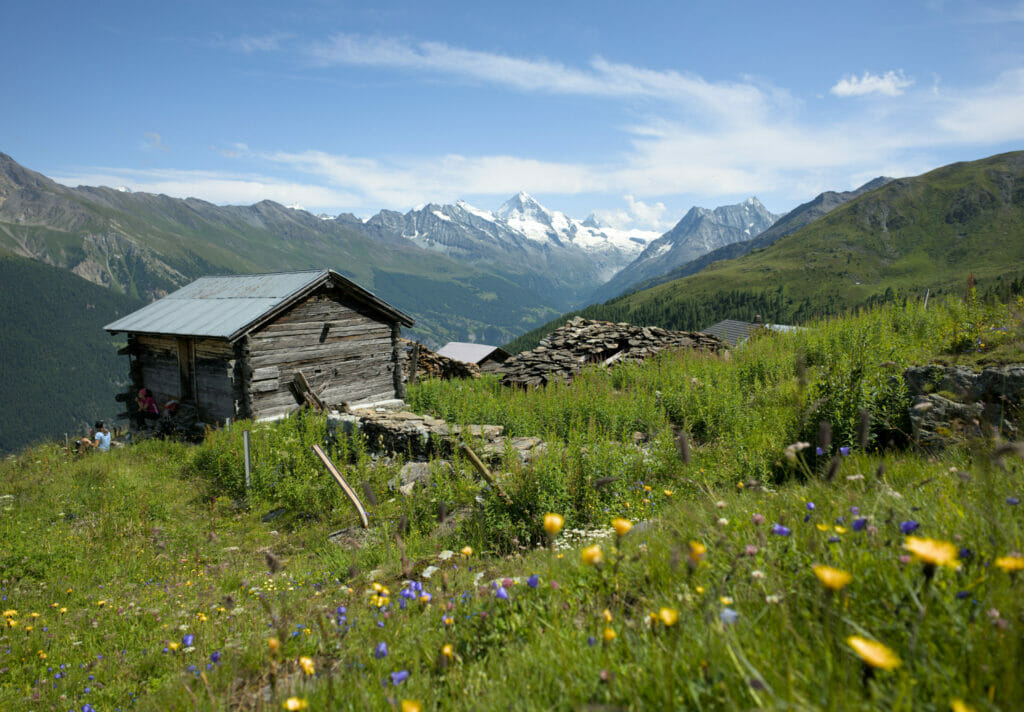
x=705 y=140
x=255 y=43
x=224 y=188
x=601 y=78
x=152 y=141
x=889 y=84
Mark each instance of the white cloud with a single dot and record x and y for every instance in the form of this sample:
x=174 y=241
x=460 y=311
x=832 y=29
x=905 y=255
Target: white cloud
x=993 y=113
x=889 y=84
x=636 y=214
x=601 y=78
x=152 y=141
x=212 y=186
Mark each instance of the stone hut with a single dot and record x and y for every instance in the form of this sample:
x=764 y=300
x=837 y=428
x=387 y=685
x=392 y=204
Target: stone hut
x=243 y=346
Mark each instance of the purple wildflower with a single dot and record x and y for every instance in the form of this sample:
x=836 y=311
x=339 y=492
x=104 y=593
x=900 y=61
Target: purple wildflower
x=961 y=595
x=591 y=641
x=381 y=651
x=854 y=510
x=780 y=530
x=844 y=450
x=501 y=593
x=859 y=524
x=833 y=540
x=810 y=506
x=187 y=640
x=818 y=451
x=728 y=616
x=215 y=656
x=533 y=581
x=965 y=554
x=1013 y=500
x=909 y=526
x=399 y=676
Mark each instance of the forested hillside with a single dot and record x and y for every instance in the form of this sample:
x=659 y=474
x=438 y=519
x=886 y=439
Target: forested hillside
x=60 y=369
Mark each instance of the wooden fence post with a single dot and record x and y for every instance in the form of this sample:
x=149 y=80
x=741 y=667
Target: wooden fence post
x=344 y=485
x=248 y=460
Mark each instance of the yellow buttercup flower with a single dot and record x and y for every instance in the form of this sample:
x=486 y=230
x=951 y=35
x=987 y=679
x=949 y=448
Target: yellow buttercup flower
x=958 y=705
x=448 y=651
x=411 y=706
x=821 y=527
x=668 y=616
x=621 y=526
x=932 y=551
x=607 y=615
x=1010 y=563
x=874 y=653
x=697 y=551
x=553 y=523
x=274 y=644
x=10 y=613
x=293 y=704
x=833 y=579
x=609 y=635
x=592 y=555
x=307 y=665
x=668 y=493
x=467 y=551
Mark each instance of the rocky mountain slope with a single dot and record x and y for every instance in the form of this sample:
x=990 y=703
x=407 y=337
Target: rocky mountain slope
x=789 y=223
x=699 y=232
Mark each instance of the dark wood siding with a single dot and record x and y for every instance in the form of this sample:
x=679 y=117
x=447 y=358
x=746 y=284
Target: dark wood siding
x=345 y=354
x=157 y=368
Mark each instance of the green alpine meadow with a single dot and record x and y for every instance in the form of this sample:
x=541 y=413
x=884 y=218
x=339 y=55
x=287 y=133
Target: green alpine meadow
x=761 y=530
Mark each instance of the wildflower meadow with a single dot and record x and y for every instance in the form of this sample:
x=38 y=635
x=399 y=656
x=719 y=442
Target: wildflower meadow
x=757 y=531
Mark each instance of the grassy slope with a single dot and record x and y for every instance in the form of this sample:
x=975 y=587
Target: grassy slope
x=143 y=547
x=55 y=385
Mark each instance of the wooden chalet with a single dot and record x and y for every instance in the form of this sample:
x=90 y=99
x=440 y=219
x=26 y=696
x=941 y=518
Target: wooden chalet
x=240 y=346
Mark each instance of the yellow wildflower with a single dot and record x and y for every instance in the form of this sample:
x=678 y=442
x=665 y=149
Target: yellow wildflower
x=553 y=523
x=63 y=609
x=668 y=493
x=467 y=551
x=295 y=703
x=592 y=555
x=448 y=651
x=874 y=653
x=839 y=529
x=33 y=614
x=307 y=665
x=174 y=645
x=668 y=616
x=726 y=600
x=609 y=635
x=821 y=527
x=607 y=615
x=10 y=613
x=958 y=705
x=101 y=603
x=932 y=551
x=274 y=644
x=697 y=551
x=833 y=579
x=412 y=706
x=1010 y=563
x=621 y=526
x=42 y=655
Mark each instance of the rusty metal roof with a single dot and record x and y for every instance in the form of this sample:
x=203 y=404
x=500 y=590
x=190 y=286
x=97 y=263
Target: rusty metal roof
x=471 y=353
x=231 y=306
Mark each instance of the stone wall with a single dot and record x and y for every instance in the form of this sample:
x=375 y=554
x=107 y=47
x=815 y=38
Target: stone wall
x=565 y=351
x=430 y=364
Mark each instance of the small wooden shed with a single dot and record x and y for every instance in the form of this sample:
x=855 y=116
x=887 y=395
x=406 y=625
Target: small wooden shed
x=232 y=345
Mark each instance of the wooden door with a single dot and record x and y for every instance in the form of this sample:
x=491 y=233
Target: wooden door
x=187 y=369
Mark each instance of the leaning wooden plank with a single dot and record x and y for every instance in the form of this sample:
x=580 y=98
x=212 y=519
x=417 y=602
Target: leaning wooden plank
x=349 y=492
x=306 y=393
x=484 y=472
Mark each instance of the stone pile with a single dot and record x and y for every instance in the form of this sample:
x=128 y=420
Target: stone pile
x=433 y=365
x=953 y=404
x=565 y=351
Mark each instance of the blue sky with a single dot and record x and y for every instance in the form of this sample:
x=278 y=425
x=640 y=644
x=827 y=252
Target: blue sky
x=635 y=111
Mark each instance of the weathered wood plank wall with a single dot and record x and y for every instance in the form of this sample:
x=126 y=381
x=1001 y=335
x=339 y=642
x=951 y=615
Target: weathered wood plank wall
x=346 y=355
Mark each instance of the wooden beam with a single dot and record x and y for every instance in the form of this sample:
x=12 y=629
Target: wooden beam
x=349 y=492
x=475 y=460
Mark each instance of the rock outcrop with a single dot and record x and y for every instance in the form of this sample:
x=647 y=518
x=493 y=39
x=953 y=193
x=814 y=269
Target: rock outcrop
x=565 y=351
x=953 y=404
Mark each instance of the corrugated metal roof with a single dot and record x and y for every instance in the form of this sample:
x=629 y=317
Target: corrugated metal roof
x=735 y=332
x=468 y=353
x=226 y=307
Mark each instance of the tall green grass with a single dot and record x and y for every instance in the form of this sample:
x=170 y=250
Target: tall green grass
x=157 y=583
